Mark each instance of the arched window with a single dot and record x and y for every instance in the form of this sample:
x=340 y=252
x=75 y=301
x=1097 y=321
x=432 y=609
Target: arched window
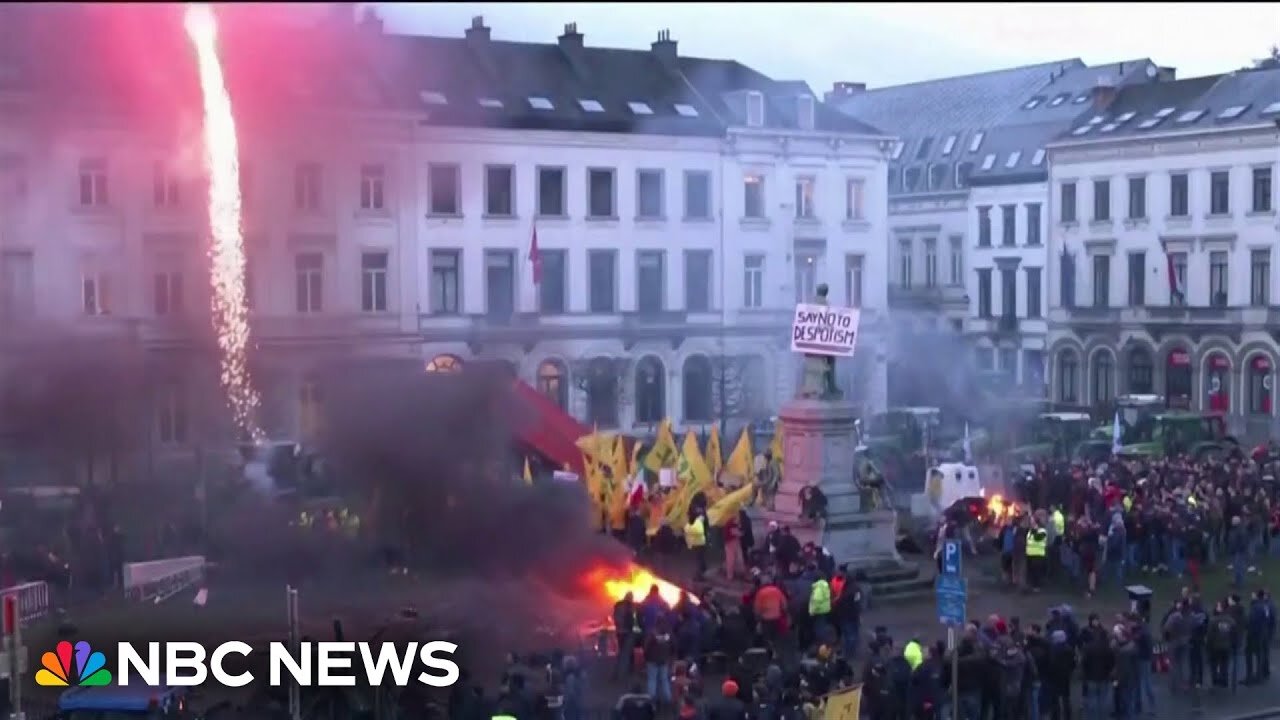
x=1260 y=384
x=1140 y=372
x=553 y=382
x=651 y=390
x=444 y=364
x=1217 y=382
x=1177 y=378
x=602 y=393
x=1103 y=380
x=697 y=389
x=1068 y=376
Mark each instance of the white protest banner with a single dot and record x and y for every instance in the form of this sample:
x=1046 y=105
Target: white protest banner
x=823 y=330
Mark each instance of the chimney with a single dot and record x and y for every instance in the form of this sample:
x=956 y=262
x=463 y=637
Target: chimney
x=478 y=33
x=1103 y=93
x=571 y=40
x=1166 y=74
x=665 y=48
x=843 y=88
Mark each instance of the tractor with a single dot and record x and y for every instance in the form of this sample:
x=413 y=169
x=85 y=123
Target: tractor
x=1052 y=436
x=1200 y=435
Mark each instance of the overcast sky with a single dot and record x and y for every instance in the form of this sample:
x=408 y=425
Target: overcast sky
x=886 y=44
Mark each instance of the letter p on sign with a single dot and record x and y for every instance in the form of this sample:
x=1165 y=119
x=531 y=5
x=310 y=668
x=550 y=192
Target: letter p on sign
x=951 y=557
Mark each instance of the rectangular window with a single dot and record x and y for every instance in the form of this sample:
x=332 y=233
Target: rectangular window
x=651 y=281
x=551 y=192
x=984 y=226
x=308 y=270
x=1137 y=198
x=1179 y=195
x=374 y=267
x=17 y=284
x=600 y=193
x=1218 y=274
x=165 y=189
x=373 y=188
x=806 y=276
x=1260 y=278
x=499 y=190
x=854 y=199
x=1101 y=281
x=1033 y=292
x=553 y=289
x=1180 y=276
x=307 y=180
x=984 y=292
x=1009 y=363
x=443 y=190
x=1008 y=292
x=602 y=268
x=805 y=191
x=1033 y=224
x=95 y=293
x=499 y=283
x=753 y=281
x=930 y=262
x=1219 y=193
x=171 y=415
x=905 y=251
x=1101 y=200
x=853 y=265
x=446 y=282
x=93 y=183
x=697 y=195
x=957 y=260
x=697 y=280
x=753 y=197
x=167 y=293
x=1067 y=272
x=649 y=195
x=1067 y=206
x=755 y=108
x=1008 y=225
x=1137 y=279
x=1262 y=190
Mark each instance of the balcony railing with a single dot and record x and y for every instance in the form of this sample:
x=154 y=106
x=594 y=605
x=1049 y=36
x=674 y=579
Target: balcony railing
x=926 y=296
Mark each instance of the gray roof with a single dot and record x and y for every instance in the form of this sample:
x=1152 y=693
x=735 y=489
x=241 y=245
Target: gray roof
x=1239 y=99
x=1016 y=141
x=347 y=65
x=926 y=114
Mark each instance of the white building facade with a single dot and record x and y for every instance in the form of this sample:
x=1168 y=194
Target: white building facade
x=1161 y=251
x=669 y=262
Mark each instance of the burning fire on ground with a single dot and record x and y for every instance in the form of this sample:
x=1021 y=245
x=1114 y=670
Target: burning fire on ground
x=611 y=584
x=222 y=156
x=998 y=508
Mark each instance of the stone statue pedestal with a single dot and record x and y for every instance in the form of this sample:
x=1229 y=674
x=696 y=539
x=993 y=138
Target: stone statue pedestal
x=819 y=441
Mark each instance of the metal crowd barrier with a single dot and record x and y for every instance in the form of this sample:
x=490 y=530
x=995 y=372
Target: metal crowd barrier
x=159 y=580
x=32 y=599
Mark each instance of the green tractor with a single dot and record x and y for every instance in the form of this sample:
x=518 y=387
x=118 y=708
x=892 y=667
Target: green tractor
x=1132 y=409
x=1200 y=435
x=1052 y=436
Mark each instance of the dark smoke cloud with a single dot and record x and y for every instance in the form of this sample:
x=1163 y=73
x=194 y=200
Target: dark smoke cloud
x=931 y=364
x=433 y=454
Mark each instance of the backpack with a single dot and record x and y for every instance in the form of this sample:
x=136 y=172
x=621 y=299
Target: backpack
x=1220 y=633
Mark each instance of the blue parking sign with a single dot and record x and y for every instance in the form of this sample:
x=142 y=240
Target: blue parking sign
x=951 y=552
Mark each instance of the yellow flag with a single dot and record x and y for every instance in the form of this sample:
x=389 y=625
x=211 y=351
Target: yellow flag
x=619 y=461
x=663 y=454
x=657 y=512
x=775 y=447
x=634 y=466
x=594 y=490
x=844 y=704
x=618 y=493
x=715 y=457
x=694 y=477
x=528 y=476
x=742 y=459
x=727 y=507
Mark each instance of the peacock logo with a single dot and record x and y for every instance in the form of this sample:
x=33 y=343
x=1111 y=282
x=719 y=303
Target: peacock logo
x=91 y=667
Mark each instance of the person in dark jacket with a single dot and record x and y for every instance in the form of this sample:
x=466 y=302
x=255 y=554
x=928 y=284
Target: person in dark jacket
x=1096 y=665
x=626 y=625
x=1125 y=673
x=971 y=666
x=1037 y=647
x=1196 y=642
x=877 y=687
x=1059 y=669
x=727 y=706
x=1222 y=629
x=635 y=705
x=1257 y=648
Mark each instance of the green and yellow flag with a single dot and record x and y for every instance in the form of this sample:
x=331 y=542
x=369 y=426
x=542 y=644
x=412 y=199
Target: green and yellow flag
x=715 y=457
x=742 y=459
x=693 y=477
x=663 y=454
x=727 y=507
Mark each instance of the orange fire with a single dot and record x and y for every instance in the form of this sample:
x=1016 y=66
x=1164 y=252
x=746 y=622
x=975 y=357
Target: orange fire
x=614 y=583
x=1001 y=508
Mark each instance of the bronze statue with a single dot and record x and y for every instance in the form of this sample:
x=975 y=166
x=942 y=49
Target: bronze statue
x=820 y=370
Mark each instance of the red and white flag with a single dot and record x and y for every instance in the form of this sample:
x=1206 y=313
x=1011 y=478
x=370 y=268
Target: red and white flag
x=535 y=258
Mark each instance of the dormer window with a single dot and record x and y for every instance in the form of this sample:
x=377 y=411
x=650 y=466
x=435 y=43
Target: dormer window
x=948 y=145
x=491 y=103
x=591 y=106
x=430 y=97
x=684 y=110
x=540 y=103
x=640 y=108
x=805 y=112
x=755 y=109
x=897 y=150
x=976 y=142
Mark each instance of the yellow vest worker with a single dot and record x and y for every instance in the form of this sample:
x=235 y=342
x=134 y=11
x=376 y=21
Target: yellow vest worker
x=820 y=598
x=912 y=653
x=504 y=717
x=1191 y=500
x=1128 y=503
x=1059 y=523
x=1036 y=543
x=695 y=533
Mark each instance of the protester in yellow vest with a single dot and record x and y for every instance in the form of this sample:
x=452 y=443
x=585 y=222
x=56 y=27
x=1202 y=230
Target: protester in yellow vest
x=1037 y=545
x=913 y=654
x=820 y=609
x=695 y=535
